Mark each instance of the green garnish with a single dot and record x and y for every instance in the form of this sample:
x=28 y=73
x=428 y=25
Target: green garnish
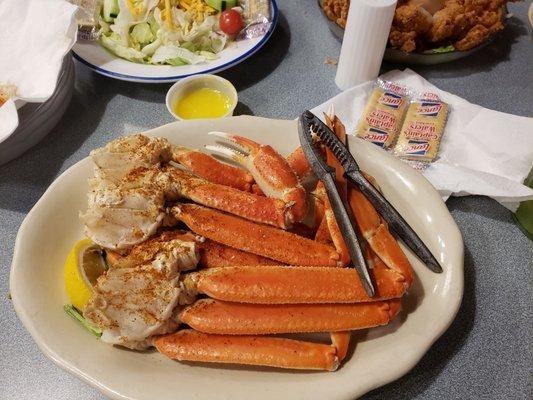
x=76 y=314
x=440 y=50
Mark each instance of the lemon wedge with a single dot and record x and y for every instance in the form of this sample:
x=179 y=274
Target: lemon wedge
x=84 y=264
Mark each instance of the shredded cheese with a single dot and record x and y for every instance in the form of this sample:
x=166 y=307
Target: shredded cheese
x=135 y=10
x=168 y=14
x=198 y=7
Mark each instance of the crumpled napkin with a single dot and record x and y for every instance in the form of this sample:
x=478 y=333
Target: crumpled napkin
x=36 y=35
x=482 y=152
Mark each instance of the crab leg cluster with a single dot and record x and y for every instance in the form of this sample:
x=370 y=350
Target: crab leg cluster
x=256 y=277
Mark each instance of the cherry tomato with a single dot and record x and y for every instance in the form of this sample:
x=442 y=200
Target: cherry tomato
x=231 y=22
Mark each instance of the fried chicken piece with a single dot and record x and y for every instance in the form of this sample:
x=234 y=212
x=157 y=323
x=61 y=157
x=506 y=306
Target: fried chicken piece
x=431 y=6
x=449 y=22
x=405 y=41
x=468 y=22
x=410 y=21
x=337 y=10
x=488 y=23
x=474 y=37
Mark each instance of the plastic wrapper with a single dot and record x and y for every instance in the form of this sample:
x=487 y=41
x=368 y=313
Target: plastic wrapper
x=418 y=165
x=257 y=17
x=422 y=129
x=383 y=115
x=87 y=18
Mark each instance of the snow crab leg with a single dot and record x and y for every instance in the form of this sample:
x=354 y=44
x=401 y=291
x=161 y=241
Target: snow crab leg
x=266 y=173
x=191 y=345
x=229 y=318
x=275 y=284
x=282 y=246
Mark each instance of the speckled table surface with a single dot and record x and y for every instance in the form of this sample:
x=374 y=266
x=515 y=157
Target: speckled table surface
x=487 y=351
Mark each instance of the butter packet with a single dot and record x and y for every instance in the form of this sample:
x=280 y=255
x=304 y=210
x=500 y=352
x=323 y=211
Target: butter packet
x=257 y=17
x=422 y=128
x=383 y=114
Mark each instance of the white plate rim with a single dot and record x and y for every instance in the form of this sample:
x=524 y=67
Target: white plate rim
x=173 y=78
x=410 y=360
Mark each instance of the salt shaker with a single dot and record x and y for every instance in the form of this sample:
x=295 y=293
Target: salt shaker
x=365 y=39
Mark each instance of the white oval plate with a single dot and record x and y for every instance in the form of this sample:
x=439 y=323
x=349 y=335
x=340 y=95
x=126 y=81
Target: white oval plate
x=380 y=356
x=96 y=57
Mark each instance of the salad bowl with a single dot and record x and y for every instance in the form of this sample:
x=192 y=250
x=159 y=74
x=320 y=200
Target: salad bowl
x=94 y=55
x=376 y=357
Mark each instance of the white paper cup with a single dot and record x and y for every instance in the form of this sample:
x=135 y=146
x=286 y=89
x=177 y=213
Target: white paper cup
x=195 y=82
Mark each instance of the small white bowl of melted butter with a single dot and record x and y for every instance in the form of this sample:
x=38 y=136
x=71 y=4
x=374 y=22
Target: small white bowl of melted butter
x=202 y=97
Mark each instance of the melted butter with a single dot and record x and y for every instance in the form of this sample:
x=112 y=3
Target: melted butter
x=203 y=103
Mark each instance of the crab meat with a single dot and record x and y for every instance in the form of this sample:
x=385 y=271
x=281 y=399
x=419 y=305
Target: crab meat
x=117 y=158
x=132 y=303
x=169 y=246
x=118 y=218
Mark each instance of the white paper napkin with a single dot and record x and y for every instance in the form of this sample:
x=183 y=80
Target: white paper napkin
x=36 y=35
x=483 y=152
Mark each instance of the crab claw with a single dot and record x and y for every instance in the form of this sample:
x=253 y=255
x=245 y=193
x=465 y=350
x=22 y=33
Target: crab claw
x=270 y=170
x=211 y=169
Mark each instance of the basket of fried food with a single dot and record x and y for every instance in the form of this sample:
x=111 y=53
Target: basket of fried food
x=431 y=31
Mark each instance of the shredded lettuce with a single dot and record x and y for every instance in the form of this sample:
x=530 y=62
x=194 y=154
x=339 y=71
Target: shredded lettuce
x=150 y=49
x=172 y=52
x=440 y=50
x=208 y=55
x=176 y=62
x=114 y=44
x=142 y=34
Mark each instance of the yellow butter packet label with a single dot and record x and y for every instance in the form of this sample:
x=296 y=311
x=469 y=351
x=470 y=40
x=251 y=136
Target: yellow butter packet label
x=383 y=114
x=422 y=130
